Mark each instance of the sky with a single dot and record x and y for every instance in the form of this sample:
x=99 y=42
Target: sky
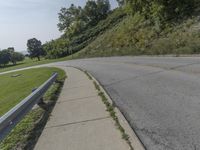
x=21 y=20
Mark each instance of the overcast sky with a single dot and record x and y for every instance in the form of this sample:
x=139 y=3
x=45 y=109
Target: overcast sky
x=21 y=20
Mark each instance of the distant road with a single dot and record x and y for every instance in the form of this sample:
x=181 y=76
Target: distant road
x=160 y=96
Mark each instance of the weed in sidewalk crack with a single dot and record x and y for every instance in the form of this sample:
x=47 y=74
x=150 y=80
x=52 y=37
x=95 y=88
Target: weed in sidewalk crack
x=96 y=86
x=111 y=109
x=90 y=78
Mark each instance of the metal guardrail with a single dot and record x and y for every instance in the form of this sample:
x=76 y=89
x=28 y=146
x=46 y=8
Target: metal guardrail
x=16 y=114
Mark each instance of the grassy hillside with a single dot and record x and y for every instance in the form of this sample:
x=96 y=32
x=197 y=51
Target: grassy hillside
x=67 y=45
x=135 y=28
x=15 y=89
x=86 y=37
x=134 y=35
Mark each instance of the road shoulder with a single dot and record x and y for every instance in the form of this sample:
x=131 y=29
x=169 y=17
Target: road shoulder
x=80 y=120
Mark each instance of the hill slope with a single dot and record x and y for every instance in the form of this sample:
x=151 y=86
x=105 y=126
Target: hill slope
x=133 y=35
x=124 y=33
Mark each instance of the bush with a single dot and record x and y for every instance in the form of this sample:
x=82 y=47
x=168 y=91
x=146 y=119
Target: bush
x=4 y=57
x=15 y=57
x=9 y=55
x=160 y=11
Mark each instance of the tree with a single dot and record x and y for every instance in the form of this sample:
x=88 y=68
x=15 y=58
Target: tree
x=96 y=10
x=4 y=57
x=103 y=8
x=15 y=57
x=56 y=48
x=68 y=15
x=177 y=8
x=161 y=10
x=11 y=49
x=35 y=48
x=75 y=19
x=90 y=10
x=121 y=2
x=9 y=55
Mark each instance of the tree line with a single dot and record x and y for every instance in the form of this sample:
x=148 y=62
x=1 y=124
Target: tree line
x=160 y=10
x=10 y=56
x=75 y=20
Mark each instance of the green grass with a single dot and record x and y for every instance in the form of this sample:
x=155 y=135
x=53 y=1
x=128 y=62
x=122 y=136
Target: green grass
x=111 y=110
x=31 y=62
x=87 y=74
x=26 y=133
x=80 y=41
x=134 y=35
x=18 y=137
x=15 y=89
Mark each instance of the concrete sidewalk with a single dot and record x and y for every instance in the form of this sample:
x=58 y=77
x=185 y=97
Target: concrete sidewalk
x=79 y=120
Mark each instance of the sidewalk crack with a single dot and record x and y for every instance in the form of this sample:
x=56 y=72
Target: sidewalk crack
x=76 y=99
x=78 y=122
x=76 y=87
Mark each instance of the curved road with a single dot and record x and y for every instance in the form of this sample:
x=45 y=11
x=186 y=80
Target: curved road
x=160 y=96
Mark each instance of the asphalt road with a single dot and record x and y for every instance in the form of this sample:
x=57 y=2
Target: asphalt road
x=160 y=96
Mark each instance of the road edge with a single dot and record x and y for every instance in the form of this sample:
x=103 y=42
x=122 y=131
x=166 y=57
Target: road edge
x=133 y=138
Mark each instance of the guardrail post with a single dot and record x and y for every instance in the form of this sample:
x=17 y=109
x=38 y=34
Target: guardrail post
x=41 y=102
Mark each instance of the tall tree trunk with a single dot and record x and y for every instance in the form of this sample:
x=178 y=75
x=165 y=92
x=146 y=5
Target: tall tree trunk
x=38 y=58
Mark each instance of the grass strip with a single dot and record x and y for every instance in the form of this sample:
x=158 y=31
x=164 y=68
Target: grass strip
x=111 y=110
x=26 y=134
x=89 y=77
